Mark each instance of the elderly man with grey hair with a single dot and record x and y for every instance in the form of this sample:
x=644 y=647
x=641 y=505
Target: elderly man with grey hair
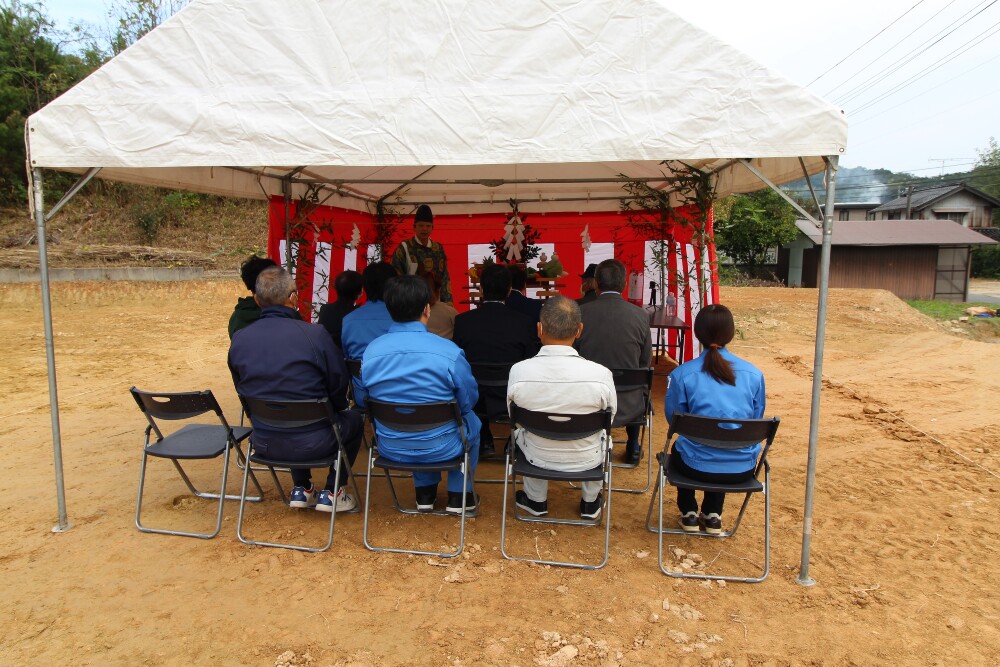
x=558 y=379
x=283 y=358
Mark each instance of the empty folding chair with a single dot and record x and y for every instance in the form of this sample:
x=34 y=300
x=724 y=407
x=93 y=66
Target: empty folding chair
x=722 y=434
x=292 y=414
x=555 y=426
x=191 y=442
x=414 y=418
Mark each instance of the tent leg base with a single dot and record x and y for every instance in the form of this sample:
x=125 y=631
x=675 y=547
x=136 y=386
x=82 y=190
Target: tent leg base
x=62 y=529
x=807 y=581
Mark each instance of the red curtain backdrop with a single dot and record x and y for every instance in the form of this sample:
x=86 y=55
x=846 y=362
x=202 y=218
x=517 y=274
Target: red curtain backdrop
x=330 y=229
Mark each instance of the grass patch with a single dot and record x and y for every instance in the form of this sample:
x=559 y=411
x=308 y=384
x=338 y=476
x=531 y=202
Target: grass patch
x=945 y=310
x=986 y=329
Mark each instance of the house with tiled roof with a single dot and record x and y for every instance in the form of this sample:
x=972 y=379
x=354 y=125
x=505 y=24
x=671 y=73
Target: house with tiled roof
x=959 y=203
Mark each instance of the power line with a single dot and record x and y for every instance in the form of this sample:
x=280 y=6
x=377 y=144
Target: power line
x=865 y=43
x=860 y=121
x=889 y=50
x=913 y=54
x=933 y=66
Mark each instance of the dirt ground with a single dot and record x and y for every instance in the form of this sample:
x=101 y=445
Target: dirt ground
x=904 y=546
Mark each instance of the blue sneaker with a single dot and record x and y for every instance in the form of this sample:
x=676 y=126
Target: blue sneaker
x=302 y=498
x=343 y=501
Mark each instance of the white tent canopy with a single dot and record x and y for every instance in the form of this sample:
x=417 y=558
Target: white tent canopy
x=460 y=104
x=229 y=97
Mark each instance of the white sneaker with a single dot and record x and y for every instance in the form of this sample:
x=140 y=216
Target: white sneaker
x=343 y=501
x=302 y=498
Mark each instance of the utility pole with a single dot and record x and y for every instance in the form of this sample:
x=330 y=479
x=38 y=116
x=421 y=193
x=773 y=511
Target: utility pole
x=909 y=198
x=944 y=160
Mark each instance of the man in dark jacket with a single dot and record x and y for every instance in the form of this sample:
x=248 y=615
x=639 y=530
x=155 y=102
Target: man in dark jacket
x=331 y=315
x=247 y=311
x=588 y=286
x=281 y=357
x=496 y=334
x=616 y=335
x=517 y=300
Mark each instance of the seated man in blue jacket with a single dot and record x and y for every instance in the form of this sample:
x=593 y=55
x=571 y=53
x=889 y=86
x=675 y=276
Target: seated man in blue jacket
x=281 y=357
x=411 y=365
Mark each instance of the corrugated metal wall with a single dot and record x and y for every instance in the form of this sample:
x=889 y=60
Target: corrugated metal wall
x=906 y=271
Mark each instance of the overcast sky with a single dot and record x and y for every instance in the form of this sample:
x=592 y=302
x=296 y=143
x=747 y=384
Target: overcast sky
x=923 y=87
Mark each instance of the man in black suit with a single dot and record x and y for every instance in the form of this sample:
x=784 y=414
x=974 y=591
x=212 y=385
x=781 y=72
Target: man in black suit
x=516 y=300
x=494 y=333
x=616 y=335
x=331 y=315
x=588 y=285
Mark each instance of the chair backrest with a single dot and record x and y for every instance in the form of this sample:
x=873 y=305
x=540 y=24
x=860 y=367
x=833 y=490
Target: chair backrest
x=627 y=379
x=413 y=417
x=724 y=433
x=288 y=414
x=176 y=406
x=489 y=374
x=558 y=426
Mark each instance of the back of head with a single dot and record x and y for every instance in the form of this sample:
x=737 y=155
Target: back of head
x=348 y=286
x=376 y=276
x=274 y=286
x=714 y=328
x=252 y=267
x=495 y=282
x=560 y=318
x=433 y=284
x=406 y=297
x=518 y=277
x=610 y=276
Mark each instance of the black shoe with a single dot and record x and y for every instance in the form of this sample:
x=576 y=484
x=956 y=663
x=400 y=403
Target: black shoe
x=532 y=507
x=633 y=453
x=712 y=523
x=690 y=522
x=426 y=495
x=591 y=510
x=455 y=503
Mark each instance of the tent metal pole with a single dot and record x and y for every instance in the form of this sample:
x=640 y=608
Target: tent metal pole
x=50 y=354
x=817 y=385
x=781 y=193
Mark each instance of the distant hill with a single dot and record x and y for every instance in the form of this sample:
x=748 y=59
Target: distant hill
x=877 y=186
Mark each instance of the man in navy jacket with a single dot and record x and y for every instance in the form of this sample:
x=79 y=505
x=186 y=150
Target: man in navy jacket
x=282 y=357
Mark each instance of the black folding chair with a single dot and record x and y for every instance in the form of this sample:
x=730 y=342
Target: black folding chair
x=191 y=442
x=354 y=368
x=555 y=426
x=490 y=375
x=292 y=414
x=638 y=380
x=414 y=418
x=721 y=434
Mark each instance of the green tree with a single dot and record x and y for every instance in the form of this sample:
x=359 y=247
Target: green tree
x=131 y=19
x=753 y=224
x=33 y=72
x=985 y=174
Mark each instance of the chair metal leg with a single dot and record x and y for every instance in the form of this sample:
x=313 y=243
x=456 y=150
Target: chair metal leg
x=247 y=471
x=221 y=497
x=645 y=434
x=695 y=575
x=511 y=482
x=407 y=510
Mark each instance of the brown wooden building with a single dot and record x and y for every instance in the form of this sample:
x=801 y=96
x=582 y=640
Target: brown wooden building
x=913 y=259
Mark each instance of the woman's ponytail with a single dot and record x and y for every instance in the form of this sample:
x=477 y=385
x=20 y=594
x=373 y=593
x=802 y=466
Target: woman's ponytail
x=714 y=328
